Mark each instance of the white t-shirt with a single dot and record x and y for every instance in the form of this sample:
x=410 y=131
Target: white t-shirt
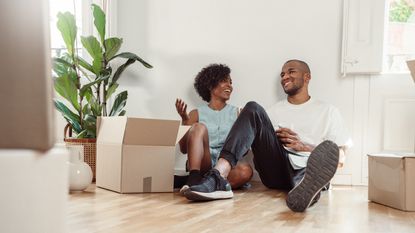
x=314 y=121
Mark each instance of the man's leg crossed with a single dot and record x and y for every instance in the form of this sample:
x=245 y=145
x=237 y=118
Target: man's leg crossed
x=252 y=129
x=321 y=167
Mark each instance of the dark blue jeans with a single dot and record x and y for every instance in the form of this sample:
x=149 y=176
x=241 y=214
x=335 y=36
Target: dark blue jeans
x=253 y=129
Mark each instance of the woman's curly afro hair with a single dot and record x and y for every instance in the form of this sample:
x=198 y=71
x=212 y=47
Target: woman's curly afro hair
x=209 y=77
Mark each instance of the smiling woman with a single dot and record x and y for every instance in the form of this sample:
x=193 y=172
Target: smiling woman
x=210 y=126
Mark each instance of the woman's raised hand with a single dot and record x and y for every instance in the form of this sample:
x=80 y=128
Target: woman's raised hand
x=181 y=108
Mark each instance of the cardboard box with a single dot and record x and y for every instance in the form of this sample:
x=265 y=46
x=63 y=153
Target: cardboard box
x=411 y=66
x=136 y=155
x=392 y=180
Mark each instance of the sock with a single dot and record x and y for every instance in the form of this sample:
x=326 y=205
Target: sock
x=194 y=177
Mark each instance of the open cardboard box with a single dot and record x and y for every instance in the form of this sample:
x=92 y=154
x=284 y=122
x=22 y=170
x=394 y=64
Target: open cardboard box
x=392 y=180
x=411 y=66
x=136 y=155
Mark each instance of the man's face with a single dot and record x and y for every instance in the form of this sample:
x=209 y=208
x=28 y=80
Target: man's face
x=293 y=77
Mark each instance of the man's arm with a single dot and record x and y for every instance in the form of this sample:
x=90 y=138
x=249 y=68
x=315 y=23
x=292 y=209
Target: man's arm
x=291 y=140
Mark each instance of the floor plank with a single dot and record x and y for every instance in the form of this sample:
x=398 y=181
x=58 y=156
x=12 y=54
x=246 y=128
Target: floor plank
x=341 y=209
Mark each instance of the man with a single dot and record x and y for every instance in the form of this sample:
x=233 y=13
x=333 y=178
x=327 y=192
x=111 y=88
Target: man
x=294 y=144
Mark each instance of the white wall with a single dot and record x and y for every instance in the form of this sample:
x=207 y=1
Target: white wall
x=179 y=37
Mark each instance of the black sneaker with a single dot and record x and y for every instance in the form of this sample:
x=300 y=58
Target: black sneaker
x=212 y=187
x=315 y=199
x=193 y=179
x=321 y=167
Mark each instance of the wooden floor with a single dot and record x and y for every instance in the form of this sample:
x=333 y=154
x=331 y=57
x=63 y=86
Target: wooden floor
x=341 y=209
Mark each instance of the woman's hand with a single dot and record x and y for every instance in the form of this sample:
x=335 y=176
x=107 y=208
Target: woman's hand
x=181 y=108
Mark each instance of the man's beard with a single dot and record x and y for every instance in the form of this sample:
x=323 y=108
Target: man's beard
x=295 y=89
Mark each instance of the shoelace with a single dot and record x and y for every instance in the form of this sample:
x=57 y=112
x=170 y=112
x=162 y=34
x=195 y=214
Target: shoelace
x=215 y=176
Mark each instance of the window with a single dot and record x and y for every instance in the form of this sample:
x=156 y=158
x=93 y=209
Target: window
x=400 y=35
x=378 y=36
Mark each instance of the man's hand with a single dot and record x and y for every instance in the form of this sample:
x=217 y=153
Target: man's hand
x=181 y=108
x=291 y=140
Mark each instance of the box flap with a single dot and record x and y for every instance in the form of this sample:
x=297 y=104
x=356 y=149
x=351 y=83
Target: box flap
x=151 y=132
x=411 y=66
x=111 y=129
x=392 y=155
x=410 y=184
x=182 y=131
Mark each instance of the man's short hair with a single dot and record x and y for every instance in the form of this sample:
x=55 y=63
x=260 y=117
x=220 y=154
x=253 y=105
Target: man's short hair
x=302 y=63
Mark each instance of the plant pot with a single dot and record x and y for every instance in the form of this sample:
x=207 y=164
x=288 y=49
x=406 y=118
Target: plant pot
x=89 y=145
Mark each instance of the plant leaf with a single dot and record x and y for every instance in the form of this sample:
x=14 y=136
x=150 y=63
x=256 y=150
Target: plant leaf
x=70 y=116
x=119 y=103
x=90 y=125
x=99 y=21
x=82 y=134
x=121 y=69
x=84 y=64
x=112 y=45
x=94 y=49
x=111 y=90
x=134 y=57
x=66 y=87
x=96 y=108
x=67 y=26
x=88 y=94
x=58 y=60
x=90 y=122
x=93 y=103
x=85 y=87
x=122 y=113
x=86 y=109
x=61 y=66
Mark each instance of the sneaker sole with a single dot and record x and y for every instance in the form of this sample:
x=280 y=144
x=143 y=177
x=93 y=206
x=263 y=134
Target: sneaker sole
x=199 y=196
x=184 y=189
x=321 y=167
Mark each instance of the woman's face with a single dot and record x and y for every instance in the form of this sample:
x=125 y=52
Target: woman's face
x=223 y=90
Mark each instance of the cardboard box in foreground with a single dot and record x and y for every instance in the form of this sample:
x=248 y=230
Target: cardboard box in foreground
x=136 y=155
x=392 y=180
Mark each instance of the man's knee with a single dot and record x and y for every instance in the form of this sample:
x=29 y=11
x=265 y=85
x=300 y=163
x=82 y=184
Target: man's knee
x=253 y=106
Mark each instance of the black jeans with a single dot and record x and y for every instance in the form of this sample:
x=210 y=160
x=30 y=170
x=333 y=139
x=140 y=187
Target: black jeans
x=253 y=129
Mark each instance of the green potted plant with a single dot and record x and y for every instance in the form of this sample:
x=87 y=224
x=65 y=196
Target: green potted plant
x=86 y=87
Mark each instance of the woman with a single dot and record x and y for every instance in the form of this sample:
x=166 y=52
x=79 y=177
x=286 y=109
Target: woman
x=211 y=124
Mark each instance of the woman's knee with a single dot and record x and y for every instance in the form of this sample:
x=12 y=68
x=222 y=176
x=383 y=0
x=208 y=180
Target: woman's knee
x=197 y=129
x=246 y=172
x=243 y=172
x=240 y=175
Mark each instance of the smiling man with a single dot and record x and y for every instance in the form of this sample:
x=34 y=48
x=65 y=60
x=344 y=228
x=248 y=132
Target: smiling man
x=296 y=144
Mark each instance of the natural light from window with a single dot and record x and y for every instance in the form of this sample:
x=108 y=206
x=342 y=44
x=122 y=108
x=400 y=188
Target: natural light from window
x=75 y=7
x=400 y=35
